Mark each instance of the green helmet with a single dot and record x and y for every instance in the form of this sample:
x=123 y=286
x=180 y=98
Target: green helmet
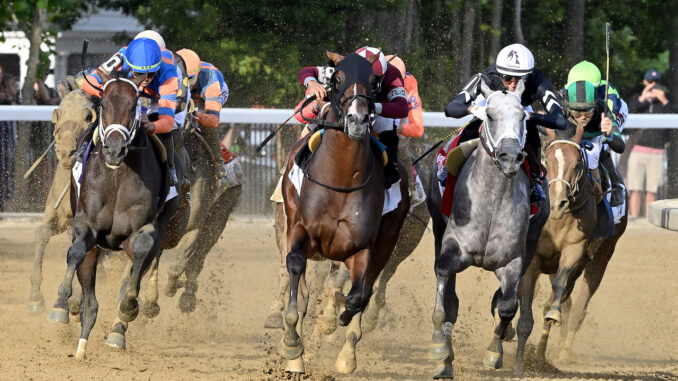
x=584 y=71
x=581 y=95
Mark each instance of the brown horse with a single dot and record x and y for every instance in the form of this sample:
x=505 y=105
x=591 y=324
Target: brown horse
x=122 y=205
x=561 y=249
x=74 y=114
x=338 y=211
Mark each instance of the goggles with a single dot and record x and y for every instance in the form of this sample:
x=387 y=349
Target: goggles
x=586 y=113
x=510 y=77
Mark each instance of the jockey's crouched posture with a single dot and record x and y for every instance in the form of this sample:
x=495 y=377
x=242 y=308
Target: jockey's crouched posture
x=390 y=102
x=209 y=92
x=144 y=57
x=584 y=102
x=513 y=63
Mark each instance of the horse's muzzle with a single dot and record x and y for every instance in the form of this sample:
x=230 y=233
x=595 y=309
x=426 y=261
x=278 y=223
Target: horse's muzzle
x=559 y=208
x=510 y=156
x=114 y=156
x=355 y=127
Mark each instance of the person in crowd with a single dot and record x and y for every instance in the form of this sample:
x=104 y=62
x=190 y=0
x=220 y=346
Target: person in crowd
x=646 y=161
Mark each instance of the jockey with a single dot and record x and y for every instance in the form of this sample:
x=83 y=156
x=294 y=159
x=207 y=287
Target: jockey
x=390 y=103
x=144 y=57
x=585 y=105
x=513 y=63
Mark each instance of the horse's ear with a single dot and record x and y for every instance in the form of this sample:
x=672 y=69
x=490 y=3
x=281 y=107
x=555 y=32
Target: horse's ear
x=335 y=57
x=138 y=79
x=485 y=89
x=579 y=133
x=372 y=59
x=550 y=135
x=520 y=88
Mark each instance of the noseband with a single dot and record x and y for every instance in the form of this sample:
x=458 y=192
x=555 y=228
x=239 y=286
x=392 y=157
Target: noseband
x=572 y=188
x=128 y=134
x=490 y=144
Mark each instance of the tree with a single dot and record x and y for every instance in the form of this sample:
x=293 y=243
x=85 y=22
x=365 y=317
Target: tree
x=574 y=42
x=517 y=22
x=39 y=20
x=495 y=32
x=467 y=39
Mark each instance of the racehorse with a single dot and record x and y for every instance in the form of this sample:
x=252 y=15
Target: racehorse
x=211 y=207
x=74 y=114
x=489 y=225
x=338 y=212
x=562 y=245
x=122 y=205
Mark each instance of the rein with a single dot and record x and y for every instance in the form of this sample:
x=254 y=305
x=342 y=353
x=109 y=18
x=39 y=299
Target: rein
x=573 y=188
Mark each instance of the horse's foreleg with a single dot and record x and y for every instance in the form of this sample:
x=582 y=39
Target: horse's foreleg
x=570 y=259
x=526 y=322
x=447 y=265
x=116 y=336
x=36 y=302
x=87 y=272
x=507 y=306
x=83 y=242
x=274 y=318
x=333 y=295
x=291 y=345
x=151 y=307
x=144 y=245
x=588 y=285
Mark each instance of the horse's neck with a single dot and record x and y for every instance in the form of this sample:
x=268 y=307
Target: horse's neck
x=486 y=176
x=345 y=153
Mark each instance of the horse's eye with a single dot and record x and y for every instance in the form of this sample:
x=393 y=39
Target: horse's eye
x=337 y=80
x=489 y=117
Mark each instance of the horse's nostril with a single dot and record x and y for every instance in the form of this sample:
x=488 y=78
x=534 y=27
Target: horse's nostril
x=520 y=158
x=351 y=119
x=562 y=204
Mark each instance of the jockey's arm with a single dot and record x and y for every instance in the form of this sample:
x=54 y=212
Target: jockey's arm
x=554 y=117
x=213 y=96
x=167 y=103
x=308 y=74
x=615 y=141
x=414 y=127
x=395 y=104
x=459 y=106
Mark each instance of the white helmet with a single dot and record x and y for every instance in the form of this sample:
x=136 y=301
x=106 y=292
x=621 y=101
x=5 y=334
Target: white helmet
x=153 y=35
x=516 y=60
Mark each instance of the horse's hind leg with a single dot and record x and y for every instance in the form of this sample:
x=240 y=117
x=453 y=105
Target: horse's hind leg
x=588 y=285
x=333 y=295
x=144 y=245
x=151 y=307
x=509 y=277
x=526 y=321
x=274 y=319
x=83 y=242
x=36 y=302
x=291 y=345
x=87 y=272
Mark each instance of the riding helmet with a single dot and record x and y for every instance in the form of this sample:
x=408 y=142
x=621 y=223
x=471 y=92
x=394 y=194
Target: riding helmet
x=515 y=60
x=143 y=55
x=584 y=71
x=398 y=63
x=192 y=61
x=379 y=66
x=581 y=95
x=153 y=35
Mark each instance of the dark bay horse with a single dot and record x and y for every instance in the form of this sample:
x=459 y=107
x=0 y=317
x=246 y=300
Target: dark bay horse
x=122 y=205
x=489 y=226
x=338 y=212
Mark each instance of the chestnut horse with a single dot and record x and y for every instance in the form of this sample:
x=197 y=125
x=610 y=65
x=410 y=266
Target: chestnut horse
x=338 y=211
x=122 y=205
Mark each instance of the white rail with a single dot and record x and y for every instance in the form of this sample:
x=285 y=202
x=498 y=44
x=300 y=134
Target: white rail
x=274 y=116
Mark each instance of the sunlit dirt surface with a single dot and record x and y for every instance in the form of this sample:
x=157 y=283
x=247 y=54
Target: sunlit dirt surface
x=631 y=331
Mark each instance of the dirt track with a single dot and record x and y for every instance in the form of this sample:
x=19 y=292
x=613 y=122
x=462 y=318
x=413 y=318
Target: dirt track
x=631 y=331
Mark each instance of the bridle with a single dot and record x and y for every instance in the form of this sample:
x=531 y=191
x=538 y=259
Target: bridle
x=128 y=134
x=490 y=143
x=573 y=189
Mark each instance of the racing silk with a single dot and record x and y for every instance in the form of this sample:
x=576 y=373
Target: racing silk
x=163 y=88
x=592 y=130
x=537 y=88
x=413 y=126
x=210 y=89
x=390 y=102
x=614 y=103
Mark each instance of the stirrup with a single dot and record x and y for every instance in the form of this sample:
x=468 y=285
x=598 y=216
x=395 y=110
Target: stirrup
x=537 y=193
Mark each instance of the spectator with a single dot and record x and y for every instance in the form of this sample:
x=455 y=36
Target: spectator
x=646 y=162
x=9 y=95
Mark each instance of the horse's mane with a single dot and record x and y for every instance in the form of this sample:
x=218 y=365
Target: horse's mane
x=567 y=133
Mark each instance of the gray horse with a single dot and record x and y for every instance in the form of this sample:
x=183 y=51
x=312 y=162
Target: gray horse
x=489 y=226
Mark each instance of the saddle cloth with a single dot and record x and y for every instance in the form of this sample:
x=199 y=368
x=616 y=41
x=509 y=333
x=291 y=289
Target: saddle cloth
x=392 y=195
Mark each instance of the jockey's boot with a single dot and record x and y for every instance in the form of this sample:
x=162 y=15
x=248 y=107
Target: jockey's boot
x=390 y=140
x=536 y=173
x=617 y=188
x=168 y=142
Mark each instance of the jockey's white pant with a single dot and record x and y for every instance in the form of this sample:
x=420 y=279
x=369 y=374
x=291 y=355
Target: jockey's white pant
x=382 y=124
x=593 y=155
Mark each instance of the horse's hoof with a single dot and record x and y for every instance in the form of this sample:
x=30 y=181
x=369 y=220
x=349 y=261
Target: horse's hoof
x=344 y=318
x=151 y=309
x=443 y=371
x=130 y=312
x=439 y=351
x=115 y=340
x=346 y=363
x=290 y=352
x=518 y=370
x=187 y=302
x=173 y=285
x=75 y=317
x=493 y=360
x=82 y=347
x=35 y=307
x=553 y=316
x=58 y=316
x=274 y=321
x=295 y=366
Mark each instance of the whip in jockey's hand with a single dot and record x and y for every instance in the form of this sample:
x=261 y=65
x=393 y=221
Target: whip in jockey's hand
x=314 y=88
x=605 y=125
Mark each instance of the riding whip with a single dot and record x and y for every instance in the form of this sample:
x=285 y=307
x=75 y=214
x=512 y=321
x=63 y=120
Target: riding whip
x=35 y=165
x=275 y=131
x=440 y=142
x=608 y=31
x=61 y=196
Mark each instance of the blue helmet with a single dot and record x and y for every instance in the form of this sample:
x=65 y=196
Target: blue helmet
x=143 y=55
